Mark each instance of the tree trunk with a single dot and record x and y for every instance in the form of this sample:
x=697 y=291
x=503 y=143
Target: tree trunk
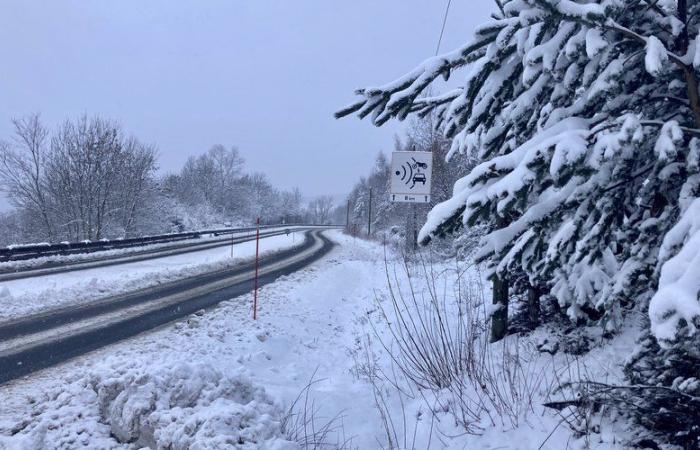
x=533 y=306
x=499 y=318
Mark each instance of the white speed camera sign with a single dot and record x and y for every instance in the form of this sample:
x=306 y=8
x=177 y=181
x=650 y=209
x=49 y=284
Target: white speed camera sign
x=411 y=176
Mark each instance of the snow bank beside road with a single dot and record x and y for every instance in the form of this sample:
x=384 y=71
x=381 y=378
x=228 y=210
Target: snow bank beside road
x=32 y=263
x=188 y=406
x=185 y=407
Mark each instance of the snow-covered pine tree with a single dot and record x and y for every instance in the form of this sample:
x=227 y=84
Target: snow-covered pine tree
x=378 y=181
x=584 y=116
x=580 y=114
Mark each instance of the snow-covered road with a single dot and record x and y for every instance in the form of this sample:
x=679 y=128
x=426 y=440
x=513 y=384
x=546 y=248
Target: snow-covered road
x=35 y=342
x=305 y=324
x=24 y=296
x=83 y=260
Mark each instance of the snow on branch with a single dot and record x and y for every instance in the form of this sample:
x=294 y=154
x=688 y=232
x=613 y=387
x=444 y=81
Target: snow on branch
x=396 y=99
x=594 y=14
x=574 y=10
x=656 y=56
x=676 y=302
x=424 y=105
x=502 y=178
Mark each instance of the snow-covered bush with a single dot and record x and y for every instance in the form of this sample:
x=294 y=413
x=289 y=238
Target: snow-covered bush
x=664 y=391
x=674 y=310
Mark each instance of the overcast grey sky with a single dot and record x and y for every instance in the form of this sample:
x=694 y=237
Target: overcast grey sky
x=265 y=76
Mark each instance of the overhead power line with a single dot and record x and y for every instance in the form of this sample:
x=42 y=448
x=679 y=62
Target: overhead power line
x=442 y=30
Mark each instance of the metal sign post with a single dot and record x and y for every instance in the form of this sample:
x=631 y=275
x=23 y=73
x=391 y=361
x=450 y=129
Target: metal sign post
x=411 y=177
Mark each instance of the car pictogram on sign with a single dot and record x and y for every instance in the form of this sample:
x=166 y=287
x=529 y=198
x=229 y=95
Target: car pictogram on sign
x=419 y=178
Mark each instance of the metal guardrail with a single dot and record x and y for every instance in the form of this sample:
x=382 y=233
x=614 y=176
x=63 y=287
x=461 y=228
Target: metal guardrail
x=24 y=252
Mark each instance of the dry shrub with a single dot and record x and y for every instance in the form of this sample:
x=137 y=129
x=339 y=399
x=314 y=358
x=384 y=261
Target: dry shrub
x=303 y=424
x=433 y=325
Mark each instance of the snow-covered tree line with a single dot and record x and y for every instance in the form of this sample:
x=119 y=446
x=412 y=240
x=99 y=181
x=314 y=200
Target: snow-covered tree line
x=216 y=188
x=584 y=118
x=88 y=179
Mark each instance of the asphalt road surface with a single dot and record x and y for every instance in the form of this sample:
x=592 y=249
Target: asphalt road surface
x=42 y=340
x=52 y=267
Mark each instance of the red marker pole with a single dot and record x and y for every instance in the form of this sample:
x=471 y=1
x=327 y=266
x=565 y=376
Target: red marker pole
x=255 y=288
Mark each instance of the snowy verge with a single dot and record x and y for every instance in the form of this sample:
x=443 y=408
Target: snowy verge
x=187 y=406
x=318 y=322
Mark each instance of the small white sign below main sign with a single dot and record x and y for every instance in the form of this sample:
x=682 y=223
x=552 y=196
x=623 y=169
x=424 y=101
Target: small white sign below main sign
x=411 y=174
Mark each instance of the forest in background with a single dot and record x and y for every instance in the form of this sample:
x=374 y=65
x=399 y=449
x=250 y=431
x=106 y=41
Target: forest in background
x=89 y=180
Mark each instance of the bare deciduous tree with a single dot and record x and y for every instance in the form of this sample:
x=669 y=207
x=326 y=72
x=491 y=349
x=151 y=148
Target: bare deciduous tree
x=212 y=178
x=291 y=206
x=86 y=182
x=87 y=157
x=139 y=162
x=226 y=166
x=320 y=209
x=89 y=181
x=23 y=166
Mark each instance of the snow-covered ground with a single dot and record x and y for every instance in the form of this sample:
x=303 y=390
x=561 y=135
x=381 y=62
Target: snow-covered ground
x=24 y=296
x=222 y=380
